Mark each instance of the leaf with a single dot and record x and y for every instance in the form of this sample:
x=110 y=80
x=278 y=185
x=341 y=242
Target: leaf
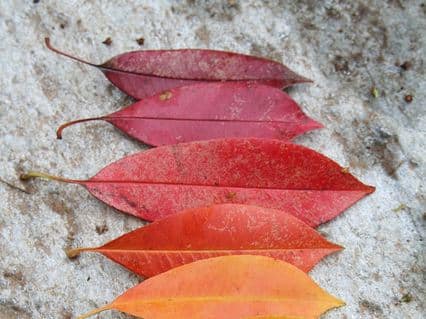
x=231 y=287
x=227 y=229
x=145 y=73
x=211 y=110
x=268 y=173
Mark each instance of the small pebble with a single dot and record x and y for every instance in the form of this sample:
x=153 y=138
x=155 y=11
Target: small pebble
x=374 y=92
x=140 y=41
x=408 y=98
x=107 y=41
x=406 y=298
x=406 y=65
x=101 y=229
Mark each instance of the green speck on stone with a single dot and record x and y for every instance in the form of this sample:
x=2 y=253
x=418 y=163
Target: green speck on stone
x=399 y=208
x=407 y=298
x=374 y=92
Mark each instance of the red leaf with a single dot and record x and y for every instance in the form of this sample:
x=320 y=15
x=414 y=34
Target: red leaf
x=218 y=230
x=211 y=110
x=145 y=73
x=268 y=173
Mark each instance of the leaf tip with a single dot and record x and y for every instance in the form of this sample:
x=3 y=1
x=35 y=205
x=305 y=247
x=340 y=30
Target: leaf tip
x=315 y=125
x=337 y=247
x=340 y=302
x=319 y=125
x=336 y=303
x=370 y=189
x=301 y=79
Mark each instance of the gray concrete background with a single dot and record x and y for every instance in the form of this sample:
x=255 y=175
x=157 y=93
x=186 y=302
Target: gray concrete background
x=346 y=47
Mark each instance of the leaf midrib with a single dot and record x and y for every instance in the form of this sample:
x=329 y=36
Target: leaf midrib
x=201 y=251
x=196 y=120
x=90 y=181
x=250 y=298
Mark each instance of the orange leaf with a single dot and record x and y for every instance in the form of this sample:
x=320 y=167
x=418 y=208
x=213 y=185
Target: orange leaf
x=230 y=287
x=227 y=229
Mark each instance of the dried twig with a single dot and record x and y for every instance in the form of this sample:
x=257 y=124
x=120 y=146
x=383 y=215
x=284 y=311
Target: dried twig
x=14 y=186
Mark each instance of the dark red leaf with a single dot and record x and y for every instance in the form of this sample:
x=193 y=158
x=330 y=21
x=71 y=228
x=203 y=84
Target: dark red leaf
x=268 y=173
x=145 y=73
x=211 y=110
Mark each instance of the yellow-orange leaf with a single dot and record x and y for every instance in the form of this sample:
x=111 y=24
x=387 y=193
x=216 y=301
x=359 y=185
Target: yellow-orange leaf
x=230 y=287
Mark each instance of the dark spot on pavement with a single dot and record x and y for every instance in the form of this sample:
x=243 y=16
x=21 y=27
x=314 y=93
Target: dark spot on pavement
x=101 y=229
x=406 y=65
x=203 y=34
x=371 y=307
x=58 y=206
x=107 y=41
x=141 y=41
x=16 y=277
x=11 y=311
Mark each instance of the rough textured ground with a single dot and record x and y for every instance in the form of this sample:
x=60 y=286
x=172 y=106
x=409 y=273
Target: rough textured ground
x=364 y=56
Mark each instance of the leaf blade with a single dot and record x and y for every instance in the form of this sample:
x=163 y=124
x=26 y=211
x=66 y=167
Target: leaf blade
x=227 y=287
x=214 y=231
x=144 y=73
x=269 y=173
x=266 y=173
x=211 y=110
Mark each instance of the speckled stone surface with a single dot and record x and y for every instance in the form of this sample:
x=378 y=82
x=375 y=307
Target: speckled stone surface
x=365 y=58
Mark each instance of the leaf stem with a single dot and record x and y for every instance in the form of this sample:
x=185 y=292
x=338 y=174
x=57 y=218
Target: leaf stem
x=94 y=312
x=61 y=128
x=32 y=174
x=74 y=252
x=50 y=47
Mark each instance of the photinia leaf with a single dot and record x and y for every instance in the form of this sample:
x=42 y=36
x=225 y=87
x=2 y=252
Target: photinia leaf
x=211 y=110
x=227 y=229
x=145 y=73
x=268 y=173
x=230 y=287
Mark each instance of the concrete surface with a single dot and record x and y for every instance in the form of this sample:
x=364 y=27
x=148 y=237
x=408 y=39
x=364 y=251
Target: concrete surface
x=347 y=47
